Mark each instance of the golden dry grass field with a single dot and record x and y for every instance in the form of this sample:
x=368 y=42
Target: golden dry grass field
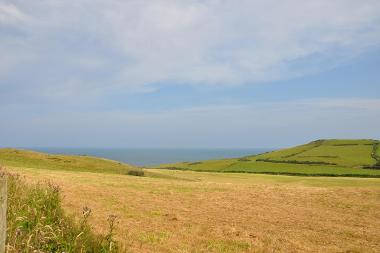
x=185 y=211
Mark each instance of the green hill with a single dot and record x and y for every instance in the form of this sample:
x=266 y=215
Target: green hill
x=31 y=159
x=317 y=158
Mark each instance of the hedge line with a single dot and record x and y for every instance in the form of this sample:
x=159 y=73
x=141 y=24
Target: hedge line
x=294 y=161
x=280 y=173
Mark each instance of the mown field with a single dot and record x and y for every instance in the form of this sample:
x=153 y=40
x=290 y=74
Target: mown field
x=319 y=158
x=185 y=211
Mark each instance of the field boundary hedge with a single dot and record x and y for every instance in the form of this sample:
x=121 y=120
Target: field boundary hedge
x=277 y=173
x=294 y=161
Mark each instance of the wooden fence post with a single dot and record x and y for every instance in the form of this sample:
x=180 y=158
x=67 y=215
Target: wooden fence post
x=3 y=212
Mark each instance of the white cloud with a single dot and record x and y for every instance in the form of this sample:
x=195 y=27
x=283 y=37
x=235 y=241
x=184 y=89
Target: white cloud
x=10 y=14
x=244 y=41
x=140 y=43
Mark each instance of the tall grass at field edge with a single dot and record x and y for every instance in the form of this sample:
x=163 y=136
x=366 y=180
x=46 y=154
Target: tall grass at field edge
x=36 y=221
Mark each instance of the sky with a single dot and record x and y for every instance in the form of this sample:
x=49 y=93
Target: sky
x=188 y=73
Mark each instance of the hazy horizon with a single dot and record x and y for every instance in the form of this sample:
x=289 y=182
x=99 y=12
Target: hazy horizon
x=156 y=156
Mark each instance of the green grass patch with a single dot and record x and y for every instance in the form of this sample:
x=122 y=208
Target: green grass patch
x=227 y=246
x=154 y=237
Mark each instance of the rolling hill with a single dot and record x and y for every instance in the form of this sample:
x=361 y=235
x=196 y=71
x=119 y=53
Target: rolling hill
x=318 y=158
x=30 y=159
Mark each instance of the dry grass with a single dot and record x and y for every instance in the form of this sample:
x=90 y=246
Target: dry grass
x=204 y=212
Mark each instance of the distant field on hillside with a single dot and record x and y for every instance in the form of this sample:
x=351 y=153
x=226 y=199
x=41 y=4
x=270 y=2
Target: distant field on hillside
x=31 y=159
x=317 y=158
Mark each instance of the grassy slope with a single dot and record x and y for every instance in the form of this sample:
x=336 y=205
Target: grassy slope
x=340 y=158
x=31 y=159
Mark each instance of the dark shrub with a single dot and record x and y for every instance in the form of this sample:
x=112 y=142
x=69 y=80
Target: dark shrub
x=244 y=159
x=138 y=173
x=195 y=163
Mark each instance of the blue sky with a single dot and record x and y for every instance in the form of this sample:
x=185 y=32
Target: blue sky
x=171 y=73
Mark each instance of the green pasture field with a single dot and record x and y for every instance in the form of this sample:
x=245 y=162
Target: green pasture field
x=318 y=158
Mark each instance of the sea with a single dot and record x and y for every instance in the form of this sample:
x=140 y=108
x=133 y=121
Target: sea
x=155 y=156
